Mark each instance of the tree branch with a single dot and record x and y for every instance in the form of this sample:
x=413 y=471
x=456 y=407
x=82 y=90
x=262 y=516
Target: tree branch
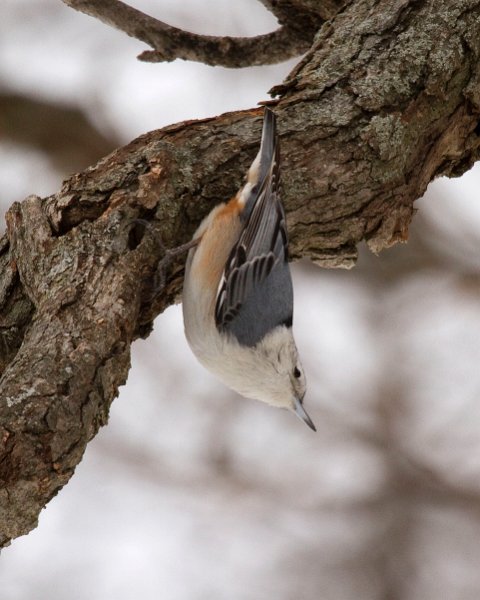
x=388 y=99
x=317 y=11
x=169 y=42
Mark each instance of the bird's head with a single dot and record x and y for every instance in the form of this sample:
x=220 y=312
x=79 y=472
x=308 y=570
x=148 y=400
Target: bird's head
x=274 y=373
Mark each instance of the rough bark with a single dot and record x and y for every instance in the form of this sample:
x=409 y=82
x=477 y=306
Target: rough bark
x=387 y=99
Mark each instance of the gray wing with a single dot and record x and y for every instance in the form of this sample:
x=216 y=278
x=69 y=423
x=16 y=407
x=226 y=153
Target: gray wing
x=256 y=293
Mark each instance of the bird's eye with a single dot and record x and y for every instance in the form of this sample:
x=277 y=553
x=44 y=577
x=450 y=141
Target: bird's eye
x=296 y=372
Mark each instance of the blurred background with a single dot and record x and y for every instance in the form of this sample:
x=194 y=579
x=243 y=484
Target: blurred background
x=193 y=493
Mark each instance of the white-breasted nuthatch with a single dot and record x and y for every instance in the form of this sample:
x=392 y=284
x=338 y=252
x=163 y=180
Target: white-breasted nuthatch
x=238 y=294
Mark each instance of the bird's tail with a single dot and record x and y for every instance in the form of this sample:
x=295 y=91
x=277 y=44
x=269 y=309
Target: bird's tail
x=264 y=164
x=268 y=152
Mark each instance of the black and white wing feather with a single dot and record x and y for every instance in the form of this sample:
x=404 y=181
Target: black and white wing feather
x=255 y=293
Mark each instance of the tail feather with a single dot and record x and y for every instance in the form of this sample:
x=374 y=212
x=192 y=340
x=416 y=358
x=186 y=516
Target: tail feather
x=263 y=166
x=268 y=145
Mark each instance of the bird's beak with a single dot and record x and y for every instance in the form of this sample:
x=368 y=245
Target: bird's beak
x=302 y=414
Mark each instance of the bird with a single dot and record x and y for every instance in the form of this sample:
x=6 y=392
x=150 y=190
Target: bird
x=238 y=294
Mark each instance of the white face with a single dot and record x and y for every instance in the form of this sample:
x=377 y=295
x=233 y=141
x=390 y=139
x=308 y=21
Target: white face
x=299 y=382
x=271 y=372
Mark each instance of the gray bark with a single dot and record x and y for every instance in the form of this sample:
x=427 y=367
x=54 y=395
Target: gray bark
x=387 y=99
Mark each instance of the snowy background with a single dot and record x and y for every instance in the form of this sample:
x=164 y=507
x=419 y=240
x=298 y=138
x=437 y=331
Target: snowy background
x=193 y=493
